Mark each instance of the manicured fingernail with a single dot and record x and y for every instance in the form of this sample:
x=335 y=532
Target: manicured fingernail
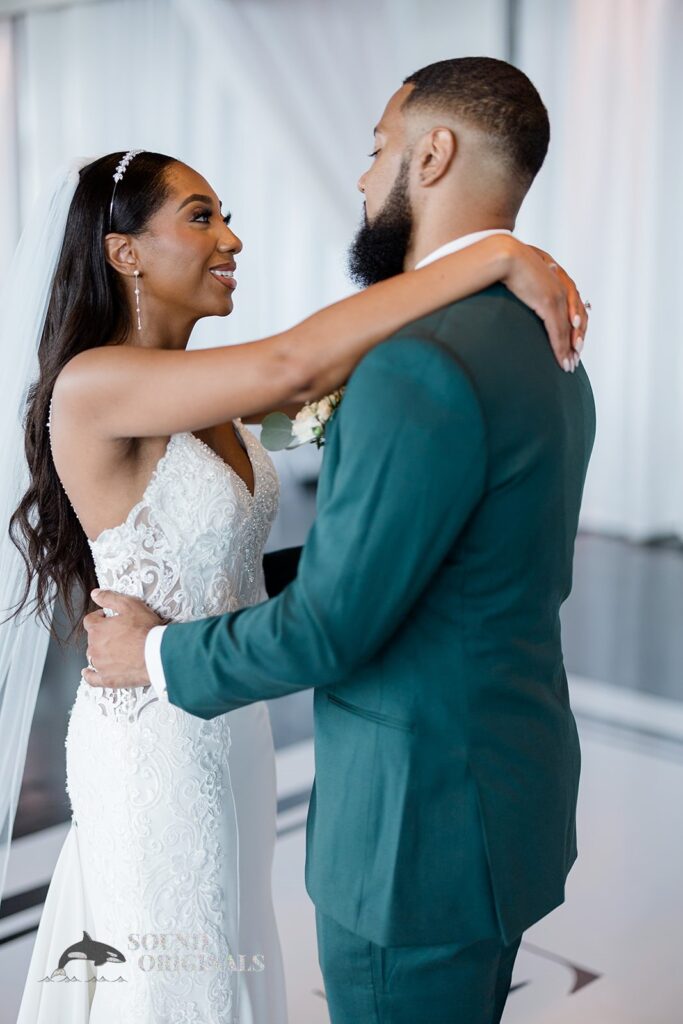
x=579 y=344
x=566 y=366
x=576 y=322
x=94 y=593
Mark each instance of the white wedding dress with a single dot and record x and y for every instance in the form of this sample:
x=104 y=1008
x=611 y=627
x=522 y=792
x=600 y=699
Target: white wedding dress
x=168 y=859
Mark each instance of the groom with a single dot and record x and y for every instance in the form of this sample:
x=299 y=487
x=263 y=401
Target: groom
x=425 y=612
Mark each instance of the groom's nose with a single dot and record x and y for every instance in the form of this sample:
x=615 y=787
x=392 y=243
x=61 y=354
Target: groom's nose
x=360 y=185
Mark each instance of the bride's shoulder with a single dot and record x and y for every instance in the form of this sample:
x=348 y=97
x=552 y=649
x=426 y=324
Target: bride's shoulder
x=87 y=385
x=101 y=373
x=83 y=369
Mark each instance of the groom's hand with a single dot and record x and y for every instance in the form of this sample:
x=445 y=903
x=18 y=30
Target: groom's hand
x=116 y=643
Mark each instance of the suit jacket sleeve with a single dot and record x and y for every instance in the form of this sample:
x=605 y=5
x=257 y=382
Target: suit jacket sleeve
x=407 y=453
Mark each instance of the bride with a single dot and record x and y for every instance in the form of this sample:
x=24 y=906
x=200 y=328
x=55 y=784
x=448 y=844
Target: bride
x=142 y=478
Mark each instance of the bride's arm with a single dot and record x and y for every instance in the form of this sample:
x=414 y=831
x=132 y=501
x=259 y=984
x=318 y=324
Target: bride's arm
x=128 y=391
x=575 y=309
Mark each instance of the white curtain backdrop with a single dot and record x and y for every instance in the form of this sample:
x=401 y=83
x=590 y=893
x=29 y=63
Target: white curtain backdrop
x=275 y=102
x=609 y=205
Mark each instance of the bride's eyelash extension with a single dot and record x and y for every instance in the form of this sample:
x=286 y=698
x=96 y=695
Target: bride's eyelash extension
x=208 y=213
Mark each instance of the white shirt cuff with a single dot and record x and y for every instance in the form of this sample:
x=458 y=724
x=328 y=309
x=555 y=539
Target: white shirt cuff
x=155 y=668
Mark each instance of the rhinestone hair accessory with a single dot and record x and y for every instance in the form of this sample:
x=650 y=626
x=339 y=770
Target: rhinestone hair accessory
x=121 y=169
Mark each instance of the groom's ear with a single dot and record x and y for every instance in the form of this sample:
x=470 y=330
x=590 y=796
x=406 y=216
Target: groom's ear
x=120 y=254
x=435 y=152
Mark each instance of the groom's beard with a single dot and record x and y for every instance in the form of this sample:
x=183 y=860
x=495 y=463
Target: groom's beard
x=379 y=249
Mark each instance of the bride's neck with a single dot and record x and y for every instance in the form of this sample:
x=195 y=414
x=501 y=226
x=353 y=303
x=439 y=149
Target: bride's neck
x=158 y=332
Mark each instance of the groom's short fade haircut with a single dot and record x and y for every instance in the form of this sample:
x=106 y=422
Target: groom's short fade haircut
x=494 y=96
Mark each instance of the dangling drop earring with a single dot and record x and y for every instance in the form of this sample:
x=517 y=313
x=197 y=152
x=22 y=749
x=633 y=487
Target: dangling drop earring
x=137 y=298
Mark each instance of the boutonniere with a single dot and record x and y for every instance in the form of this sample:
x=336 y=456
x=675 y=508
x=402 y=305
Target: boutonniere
x=279 y=432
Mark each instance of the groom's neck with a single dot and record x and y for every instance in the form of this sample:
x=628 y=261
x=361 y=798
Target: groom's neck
x=434 y=229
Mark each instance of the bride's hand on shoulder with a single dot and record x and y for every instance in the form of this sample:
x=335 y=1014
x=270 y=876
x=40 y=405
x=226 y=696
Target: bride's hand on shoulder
x=540 y=283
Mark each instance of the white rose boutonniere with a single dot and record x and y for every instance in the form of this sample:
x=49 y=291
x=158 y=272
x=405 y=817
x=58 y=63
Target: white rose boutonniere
x=279 y=432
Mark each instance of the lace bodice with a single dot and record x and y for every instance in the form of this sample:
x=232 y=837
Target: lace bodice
x=193 y=545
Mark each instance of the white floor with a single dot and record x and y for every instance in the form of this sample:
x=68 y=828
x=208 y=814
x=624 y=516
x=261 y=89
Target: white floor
x=618 y=938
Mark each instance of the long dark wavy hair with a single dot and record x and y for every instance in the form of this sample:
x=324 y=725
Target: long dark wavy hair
x=87 y=309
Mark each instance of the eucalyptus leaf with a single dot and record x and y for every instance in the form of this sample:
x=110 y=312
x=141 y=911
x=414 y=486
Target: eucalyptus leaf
x=276 y=433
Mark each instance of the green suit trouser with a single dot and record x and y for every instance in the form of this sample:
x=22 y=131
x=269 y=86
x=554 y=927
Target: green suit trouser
x=448 y=984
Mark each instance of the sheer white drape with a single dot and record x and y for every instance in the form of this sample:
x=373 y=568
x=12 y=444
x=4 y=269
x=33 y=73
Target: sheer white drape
x=609 y=204
x=9 y=165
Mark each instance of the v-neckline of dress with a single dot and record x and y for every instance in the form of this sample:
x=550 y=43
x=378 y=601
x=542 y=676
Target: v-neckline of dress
x=234 y=476
x=233 y=472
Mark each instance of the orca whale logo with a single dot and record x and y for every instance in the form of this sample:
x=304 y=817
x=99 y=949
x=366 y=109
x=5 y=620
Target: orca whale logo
x=88 y=949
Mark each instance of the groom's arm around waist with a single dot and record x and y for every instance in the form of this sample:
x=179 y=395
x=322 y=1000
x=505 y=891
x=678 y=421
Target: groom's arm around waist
x=407 y=464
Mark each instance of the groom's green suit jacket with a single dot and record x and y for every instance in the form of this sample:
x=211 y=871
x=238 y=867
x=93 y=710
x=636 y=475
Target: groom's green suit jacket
x=425 y=613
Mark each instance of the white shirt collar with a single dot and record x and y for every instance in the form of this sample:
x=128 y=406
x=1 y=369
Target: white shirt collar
x=460 y=243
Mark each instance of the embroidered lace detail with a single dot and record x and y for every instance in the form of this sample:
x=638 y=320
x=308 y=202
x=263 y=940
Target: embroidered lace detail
x=149 y=784
x=192 y=546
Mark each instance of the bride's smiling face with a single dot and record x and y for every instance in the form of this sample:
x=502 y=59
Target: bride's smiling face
x=187 y=253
